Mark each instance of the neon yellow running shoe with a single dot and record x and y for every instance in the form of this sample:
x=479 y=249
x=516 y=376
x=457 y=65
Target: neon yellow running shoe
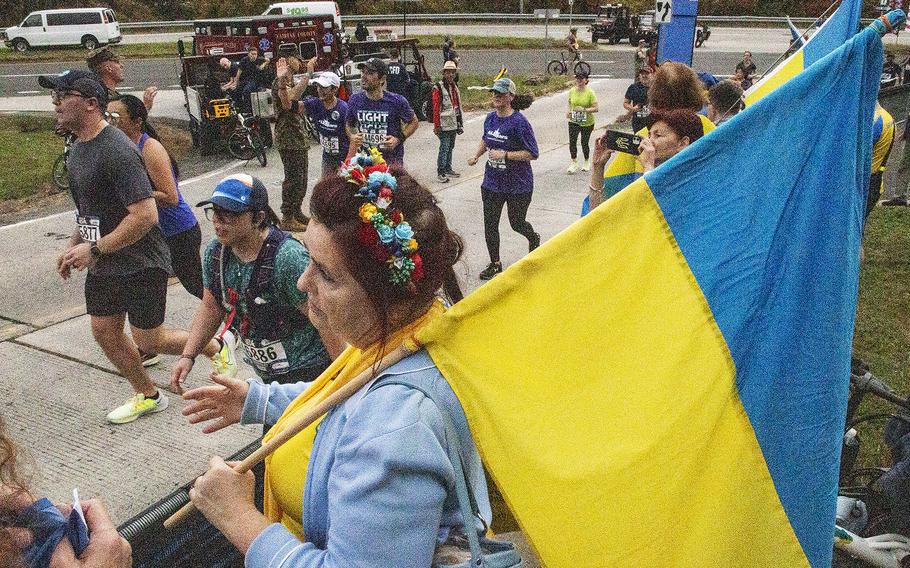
x=224 y=362
x=135 y=407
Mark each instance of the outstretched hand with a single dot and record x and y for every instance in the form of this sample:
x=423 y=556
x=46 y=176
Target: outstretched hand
x=221 y=403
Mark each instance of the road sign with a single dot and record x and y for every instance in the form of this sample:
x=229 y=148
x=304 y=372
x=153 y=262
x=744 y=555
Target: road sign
x=663 y=11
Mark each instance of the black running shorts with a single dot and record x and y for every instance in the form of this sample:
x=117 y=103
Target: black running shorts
x=141 y=296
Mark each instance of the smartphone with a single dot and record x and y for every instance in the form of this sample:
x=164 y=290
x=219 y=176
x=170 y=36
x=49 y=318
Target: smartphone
x=77 y=529
x=623 y=141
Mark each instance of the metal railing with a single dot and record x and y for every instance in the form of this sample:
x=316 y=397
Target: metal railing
x=526 y=18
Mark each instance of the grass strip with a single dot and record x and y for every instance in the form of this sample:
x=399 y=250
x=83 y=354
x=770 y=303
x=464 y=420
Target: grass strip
x=28 y=148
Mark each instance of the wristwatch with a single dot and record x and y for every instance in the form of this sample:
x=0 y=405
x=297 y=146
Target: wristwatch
x=96 y=252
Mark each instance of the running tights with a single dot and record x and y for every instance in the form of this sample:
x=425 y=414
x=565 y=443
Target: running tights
x=585 y=131
x=493 y=202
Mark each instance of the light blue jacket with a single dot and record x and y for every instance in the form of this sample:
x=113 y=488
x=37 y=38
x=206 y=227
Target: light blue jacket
x=379 y=486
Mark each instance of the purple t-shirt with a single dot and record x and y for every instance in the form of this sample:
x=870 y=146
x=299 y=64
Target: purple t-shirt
x=510 y=133
x=378 y=119
x=330 y=125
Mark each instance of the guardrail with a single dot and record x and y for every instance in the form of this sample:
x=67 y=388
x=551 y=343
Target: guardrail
x=580 y=18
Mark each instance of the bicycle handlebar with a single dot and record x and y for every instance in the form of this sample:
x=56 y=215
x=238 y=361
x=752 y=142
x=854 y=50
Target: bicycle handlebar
x=868 y=383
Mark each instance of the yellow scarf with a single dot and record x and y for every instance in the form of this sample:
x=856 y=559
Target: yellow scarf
x=286 y=468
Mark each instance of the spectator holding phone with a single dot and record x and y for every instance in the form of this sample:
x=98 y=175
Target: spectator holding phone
x=674 y=86
x=669 y=132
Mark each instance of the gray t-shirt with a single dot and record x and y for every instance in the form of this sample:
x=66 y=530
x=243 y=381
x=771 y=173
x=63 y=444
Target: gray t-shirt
x=106 y=175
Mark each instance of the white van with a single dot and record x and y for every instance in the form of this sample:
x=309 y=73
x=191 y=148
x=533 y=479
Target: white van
x=88 y=27
x=306 y=9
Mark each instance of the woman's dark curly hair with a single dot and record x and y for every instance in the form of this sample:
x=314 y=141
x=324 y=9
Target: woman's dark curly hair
x=335 y=204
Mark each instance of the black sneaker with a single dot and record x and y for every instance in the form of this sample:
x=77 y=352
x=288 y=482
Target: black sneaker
x=895 y=202
x=534 y=242
x=441 y=178
x=491 y=270
x=453 y=174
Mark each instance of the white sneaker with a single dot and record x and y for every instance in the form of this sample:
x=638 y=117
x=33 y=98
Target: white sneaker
x=573 y=167
x=225 y=362
x=586 y=166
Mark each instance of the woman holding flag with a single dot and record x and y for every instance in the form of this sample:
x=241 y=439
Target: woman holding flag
x=373 y=486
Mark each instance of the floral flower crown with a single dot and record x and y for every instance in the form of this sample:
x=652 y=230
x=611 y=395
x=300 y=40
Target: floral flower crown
x=383 y=230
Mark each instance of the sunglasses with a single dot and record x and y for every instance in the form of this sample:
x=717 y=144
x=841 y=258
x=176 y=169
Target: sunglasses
x=223 y=215
x=58 y=96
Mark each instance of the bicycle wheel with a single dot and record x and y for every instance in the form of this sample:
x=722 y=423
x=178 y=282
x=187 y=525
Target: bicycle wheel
x=240 y=146
x=258 y=148
x=60 y=174
x=583 y=67
x=556 y=67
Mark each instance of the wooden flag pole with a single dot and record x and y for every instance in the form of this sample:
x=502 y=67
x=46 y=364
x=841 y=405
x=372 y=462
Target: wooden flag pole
x=295 y=428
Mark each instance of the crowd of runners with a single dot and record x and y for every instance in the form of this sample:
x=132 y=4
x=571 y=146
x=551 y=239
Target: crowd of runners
x=311 y=298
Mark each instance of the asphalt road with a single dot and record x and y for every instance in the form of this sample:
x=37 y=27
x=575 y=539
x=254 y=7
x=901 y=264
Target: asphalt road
x=606 y=62
x=718 y=56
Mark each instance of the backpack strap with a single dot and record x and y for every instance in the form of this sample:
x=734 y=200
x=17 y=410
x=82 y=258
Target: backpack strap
x=265 y=263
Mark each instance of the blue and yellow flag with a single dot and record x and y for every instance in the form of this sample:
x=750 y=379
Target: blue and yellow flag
x=833 y=33
x=664 y=383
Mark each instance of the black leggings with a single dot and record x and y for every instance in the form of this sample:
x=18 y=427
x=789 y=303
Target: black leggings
x=492 y=211
x=585 y=131
x=185 y=258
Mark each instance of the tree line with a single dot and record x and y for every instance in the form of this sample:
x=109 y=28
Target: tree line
x=144 y=10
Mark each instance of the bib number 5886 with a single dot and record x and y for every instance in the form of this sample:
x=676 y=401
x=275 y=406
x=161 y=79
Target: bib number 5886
x=264 y=355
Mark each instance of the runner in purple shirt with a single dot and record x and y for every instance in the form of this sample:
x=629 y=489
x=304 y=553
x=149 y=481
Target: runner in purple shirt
x=328 y=114
x=509 y=142
x=377 y=117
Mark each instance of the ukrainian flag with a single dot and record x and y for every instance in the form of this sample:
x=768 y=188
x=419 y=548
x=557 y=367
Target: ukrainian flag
x=836 y=30
x=664 y=383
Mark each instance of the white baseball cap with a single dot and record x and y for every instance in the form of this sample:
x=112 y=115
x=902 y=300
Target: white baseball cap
x=327 y=79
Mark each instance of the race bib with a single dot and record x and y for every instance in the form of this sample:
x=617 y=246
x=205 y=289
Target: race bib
x=499 y=164
x=374 y=138
x=89 y=228
x=266 y=356
x=374 y=125
x=329 y=144
x=578 y=116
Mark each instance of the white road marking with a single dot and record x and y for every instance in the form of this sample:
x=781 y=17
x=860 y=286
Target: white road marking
x=27 y=75
x=28 y=92
x=198 y=178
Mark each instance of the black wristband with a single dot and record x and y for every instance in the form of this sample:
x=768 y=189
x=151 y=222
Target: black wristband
x=295 y=104
x=192 y=359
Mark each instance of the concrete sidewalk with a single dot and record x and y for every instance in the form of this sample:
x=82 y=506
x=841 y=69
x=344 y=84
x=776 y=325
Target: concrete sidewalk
x=168 y=104
x=58 y=385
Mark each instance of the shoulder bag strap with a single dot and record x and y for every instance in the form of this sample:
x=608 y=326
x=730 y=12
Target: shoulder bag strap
x=462 y=491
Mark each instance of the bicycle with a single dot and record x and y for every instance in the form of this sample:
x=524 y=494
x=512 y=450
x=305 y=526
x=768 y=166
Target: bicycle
x=561 y=66
x=245 y=143
x=59 y=174
x=869 y=526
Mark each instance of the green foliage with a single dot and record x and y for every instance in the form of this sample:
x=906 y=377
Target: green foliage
x=28 y=148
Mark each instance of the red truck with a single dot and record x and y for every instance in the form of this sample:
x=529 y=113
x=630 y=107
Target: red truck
x=201 y=77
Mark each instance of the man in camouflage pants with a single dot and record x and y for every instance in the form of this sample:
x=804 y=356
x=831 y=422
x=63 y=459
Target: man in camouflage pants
x=292 y=140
